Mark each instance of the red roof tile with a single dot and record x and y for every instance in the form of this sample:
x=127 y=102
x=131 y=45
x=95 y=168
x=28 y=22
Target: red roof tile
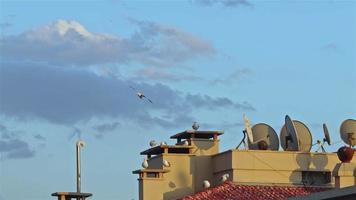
x=230 y=191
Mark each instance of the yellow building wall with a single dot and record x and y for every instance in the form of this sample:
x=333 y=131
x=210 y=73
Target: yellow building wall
x=188 y=171
x=271 y=167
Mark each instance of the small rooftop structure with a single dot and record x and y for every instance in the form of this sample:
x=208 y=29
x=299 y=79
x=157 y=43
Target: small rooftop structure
x=71 y=195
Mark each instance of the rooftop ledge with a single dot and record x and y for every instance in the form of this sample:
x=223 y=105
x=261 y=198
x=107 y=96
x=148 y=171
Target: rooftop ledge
x=72 y=194
x=197 y=134
x=139 y=171
x=167 y=149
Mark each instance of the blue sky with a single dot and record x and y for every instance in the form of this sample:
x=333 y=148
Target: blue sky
x=66 y=68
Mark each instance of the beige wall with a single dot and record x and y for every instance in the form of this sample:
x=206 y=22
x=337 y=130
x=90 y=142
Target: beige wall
x=188 y=171
x=271 y=167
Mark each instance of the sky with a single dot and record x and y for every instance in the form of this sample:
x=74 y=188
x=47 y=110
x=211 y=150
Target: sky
x=67 y=69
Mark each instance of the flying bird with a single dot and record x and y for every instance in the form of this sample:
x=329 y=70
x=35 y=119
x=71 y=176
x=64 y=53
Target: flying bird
x=140 y=94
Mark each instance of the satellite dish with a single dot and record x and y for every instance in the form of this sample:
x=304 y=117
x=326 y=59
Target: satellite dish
x=348 y=132
x=326 y=134
x=326 y=139
x=248 y=129
x=265 y=137
x=295 y=136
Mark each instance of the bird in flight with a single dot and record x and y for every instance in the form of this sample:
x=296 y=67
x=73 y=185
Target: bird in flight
x=140 y=94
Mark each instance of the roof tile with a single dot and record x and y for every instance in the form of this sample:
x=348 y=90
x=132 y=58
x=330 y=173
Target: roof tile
x=230 y=191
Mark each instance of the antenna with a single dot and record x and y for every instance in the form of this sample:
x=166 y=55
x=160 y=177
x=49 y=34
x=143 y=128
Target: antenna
x=265 y=137
x=348 y=132
x=295 y=136
x=326 y=139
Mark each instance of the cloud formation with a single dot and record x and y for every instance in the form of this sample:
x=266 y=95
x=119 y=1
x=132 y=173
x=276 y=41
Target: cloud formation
x=234 y=77
x=67 y=96
x=330 y=47
x=12 y=147
x=107 y=127
x=225 y=3
x=39 y=137
x=67 y=42
x=151 y=73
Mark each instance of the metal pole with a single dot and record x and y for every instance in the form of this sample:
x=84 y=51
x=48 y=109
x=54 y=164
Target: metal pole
x=78 y=168
x=80 y=144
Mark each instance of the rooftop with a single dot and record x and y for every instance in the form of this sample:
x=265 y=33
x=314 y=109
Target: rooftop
x=230 y=191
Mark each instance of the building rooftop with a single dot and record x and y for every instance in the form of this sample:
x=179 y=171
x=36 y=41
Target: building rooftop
x=231 y=191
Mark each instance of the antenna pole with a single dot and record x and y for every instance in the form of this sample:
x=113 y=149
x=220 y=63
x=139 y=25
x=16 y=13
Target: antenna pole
x=78 y=168
x=80 y=144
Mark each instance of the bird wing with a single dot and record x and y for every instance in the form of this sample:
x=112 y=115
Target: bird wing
x=148 y=99
x=134 y=89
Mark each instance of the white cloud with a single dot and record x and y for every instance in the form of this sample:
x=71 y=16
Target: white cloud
x=70 y=43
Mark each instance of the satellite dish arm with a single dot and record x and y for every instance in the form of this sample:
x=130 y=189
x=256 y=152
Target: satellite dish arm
x=243 y=139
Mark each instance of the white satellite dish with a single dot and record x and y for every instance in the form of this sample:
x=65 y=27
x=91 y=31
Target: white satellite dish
x=295 y=136
x=260 y=137
x=265 y=138
x=348 y=132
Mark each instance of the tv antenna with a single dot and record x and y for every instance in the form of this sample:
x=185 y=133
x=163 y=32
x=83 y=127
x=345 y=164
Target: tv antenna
x=295 y=136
